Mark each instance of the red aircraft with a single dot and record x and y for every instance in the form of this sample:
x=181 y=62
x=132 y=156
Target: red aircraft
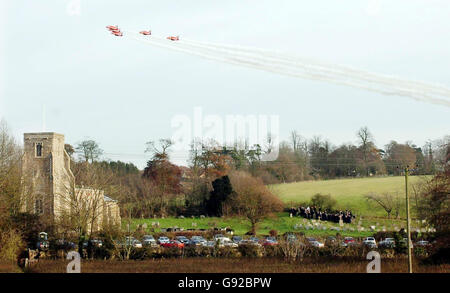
x=117 y=33
x=113 y=28
x=172 y=38
x=146 y=33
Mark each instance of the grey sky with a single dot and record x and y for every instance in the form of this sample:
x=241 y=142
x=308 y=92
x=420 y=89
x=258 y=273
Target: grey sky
x=123 y=93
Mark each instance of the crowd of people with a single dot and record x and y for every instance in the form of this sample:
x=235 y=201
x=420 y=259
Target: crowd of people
x=312 y=212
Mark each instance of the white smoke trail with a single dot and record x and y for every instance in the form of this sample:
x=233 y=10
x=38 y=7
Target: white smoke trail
x=339 y=70
x=304 y=68
x=399 y=91
x=360 y=73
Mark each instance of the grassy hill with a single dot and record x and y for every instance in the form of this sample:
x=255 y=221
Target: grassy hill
x=349 y=193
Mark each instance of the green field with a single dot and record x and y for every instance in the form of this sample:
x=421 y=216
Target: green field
x=349 y=193
x=281 y=223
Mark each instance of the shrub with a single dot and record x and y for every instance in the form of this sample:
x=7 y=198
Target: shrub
x=271 y=251
x=250 y=250
x=323 y=201
x=11 y=245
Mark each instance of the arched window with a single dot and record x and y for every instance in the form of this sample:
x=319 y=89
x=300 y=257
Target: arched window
x=39 y=149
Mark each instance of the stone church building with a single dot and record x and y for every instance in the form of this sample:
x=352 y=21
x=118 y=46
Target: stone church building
x=51 y=188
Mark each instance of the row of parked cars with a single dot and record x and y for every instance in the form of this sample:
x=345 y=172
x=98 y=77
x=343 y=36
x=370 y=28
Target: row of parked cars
x=223 y=241
x=182 y=241
x=350 y=241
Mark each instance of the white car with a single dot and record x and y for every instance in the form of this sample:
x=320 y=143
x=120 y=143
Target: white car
x=131 y=241
x=316 y=243
x=163 y=239
x=370 y=241
x=218 y=236
x=388 y=242
x=225 y=241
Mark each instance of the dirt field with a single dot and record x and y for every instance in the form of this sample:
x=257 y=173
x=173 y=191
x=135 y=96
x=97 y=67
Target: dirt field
x=227 y=265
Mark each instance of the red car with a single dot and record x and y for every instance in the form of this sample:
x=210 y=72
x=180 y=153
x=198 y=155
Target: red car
x=349 y=240
x=173 y=243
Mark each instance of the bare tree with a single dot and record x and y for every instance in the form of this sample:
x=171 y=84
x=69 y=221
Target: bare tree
x=10 y=173
x=296 y=141
x=391 y=203
x=89 y=150
x=160 y=150
x=82 y=209
x=292 y=250
x=365 y=139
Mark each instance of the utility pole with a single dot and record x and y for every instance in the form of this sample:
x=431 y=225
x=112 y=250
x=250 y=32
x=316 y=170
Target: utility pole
x=408 y=221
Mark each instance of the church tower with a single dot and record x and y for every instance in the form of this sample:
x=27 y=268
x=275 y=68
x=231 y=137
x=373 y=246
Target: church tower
x=46 y=168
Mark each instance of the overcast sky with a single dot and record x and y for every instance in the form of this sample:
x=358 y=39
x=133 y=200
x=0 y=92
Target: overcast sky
x=123 y=93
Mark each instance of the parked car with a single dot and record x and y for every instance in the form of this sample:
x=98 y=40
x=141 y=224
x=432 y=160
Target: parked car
x=94 y=242
x=68 y=245
x=163 y=239
x=173 y=243
x=183 y=239
x=197 y=241
x=225 y=241
x=331 y=240
x=43 y=243
x=291 y=238
x=210 y=244
x=254 y=239
x=97 y=242
x=405 y=242
x=236 y=239
x=422 y=243
x=249 y=242
x=349 y=241
x=131 y=241
x=270 y=241
x=316 y=243
x=218 y=236
x=370 y=242
x=387 y=242
x=149 y=240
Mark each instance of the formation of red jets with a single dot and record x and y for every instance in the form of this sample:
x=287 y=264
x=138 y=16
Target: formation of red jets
x=116 y=31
